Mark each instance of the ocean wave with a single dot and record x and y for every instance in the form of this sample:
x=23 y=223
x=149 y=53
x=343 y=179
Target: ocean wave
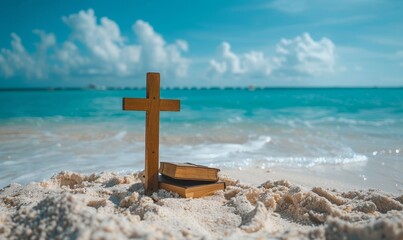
x=258 y=152
x=295 y=162
x=351 y=121
x=310 y=123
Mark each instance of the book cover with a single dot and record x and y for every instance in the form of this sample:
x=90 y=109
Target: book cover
x=189 y=189
x=189 y=171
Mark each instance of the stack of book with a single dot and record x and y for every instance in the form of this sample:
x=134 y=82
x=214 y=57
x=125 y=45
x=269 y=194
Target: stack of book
x=189 y=180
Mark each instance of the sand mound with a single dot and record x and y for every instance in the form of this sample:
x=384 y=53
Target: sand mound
x=112 y=206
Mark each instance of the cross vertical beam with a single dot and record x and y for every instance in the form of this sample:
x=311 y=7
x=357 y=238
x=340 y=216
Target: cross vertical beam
x=152 y=132
x=152 y=104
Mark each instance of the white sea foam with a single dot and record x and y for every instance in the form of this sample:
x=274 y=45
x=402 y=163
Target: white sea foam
x=119 y=136
x=39 y=148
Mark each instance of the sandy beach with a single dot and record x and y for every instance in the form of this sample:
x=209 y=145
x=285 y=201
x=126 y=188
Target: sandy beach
x=113 y=206
x=299 y=104
x=328 y=177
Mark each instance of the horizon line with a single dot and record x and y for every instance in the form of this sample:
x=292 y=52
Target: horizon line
x=104 y=88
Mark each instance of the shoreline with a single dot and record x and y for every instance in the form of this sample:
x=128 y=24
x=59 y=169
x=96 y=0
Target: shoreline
x=326 y=177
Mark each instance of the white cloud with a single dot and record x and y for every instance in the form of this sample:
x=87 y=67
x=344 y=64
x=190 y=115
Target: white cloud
x=102 y=40
x=304 y=55
x=47 y=41
x=104 y=51
x=299 y=56
x=253 y=62
x=17 y=61
x=95 y=48
x=156 y=54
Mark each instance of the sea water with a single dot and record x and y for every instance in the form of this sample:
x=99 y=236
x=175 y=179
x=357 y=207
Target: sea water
x=44 y=132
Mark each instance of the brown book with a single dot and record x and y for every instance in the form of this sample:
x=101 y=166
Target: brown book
x=189 y=189
x=189 y=171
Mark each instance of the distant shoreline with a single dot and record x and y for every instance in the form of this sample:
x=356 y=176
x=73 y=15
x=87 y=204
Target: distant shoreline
x=250 y=88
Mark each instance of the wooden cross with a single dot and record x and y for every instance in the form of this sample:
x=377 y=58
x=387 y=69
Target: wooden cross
x=152 y=104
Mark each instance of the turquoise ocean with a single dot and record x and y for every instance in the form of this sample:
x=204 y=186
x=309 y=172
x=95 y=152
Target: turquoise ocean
x=356 y=129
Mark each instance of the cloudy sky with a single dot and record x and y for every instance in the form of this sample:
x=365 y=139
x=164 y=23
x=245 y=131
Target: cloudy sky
x=201 y=43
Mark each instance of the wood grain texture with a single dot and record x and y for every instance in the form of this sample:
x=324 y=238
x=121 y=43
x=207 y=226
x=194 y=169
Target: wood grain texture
x=187 y=171
x=152 y=104
x=190 y=189
x=170 y=105
x=136 y=104
x=152 y=133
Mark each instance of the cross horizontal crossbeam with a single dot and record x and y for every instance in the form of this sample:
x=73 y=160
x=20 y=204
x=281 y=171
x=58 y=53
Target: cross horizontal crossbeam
x=143 y=104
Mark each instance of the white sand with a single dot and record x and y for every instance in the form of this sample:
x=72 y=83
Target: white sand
x=111 y=206
x=328 y=177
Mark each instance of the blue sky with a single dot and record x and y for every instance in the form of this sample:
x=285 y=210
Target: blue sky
x=207 y=43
